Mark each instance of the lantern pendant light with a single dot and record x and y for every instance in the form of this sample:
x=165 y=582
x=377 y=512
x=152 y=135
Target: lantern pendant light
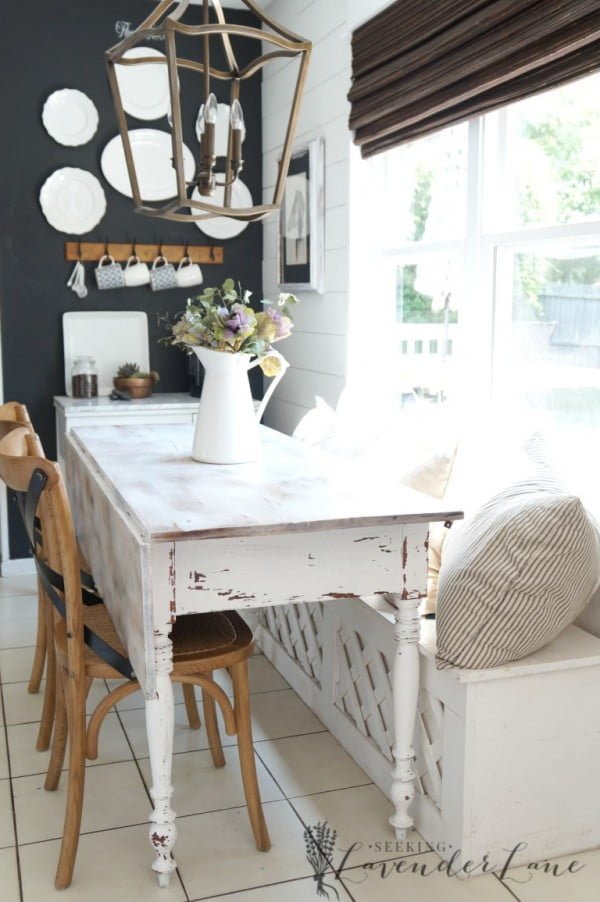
x=194 y=198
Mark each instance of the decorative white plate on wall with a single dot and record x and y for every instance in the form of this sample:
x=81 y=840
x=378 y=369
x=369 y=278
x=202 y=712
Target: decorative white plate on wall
x=70 y=117
x=110 y=337
x=221 y=131
x=73 y=200
x=223 y=227
x=145 y=87
x=152 y=152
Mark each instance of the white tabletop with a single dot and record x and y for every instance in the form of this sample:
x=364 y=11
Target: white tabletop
x=292 y=487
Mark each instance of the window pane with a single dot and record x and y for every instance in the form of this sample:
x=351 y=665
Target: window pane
x=553 y=159
x=426 y=324
x=416 y=192
x=554 y=357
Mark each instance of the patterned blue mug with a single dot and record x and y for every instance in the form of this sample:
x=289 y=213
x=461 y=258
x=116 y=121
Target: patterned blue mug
x=162 y=275
x=109 y=274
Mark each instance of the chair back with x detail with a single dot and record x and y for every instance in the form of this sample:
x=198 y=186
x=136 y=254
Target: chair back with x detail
x=14 y=415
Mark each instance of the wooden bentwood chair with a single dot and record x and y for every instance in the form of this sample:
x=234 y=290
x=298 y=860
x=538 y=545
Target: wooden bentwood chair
x=202 y=643
x=13 y=415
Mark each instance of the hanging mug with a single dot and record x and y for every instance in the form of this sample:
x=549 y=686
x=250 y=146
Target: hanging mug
x=136 y=273
x=162 y=275
x=188 y=273
x=109 y=274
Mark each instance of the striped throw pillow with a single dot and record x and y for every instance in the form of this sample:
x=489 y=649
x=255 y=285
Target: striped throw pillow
x=515 y=576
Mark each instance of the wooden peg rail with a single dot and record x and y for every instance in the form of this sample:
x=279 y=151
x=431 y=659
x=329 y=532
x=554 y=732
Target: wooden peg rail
x=92 y=251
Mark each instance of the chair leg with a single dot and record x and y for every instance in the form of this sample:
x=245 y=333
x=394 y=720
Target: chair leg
x=241 y=694
x=47 y=719
x=212 y=727
x=191 y=707
x=37 y=668
x=59 y=737
x=100 y=712
x=75 y=704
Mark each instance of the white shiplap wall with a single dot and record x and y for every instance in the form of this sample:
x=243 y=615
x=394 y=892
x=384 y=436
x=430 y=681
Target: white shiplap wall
x=318 y=347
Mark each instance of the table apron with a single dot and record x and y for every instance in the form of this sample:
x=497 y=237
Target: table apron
x=195 y=576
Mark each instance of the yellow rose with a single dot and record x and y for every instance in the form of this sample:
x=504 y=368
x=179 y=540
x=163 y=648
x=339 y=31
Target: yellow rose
x=270 y=365
x=265 y=327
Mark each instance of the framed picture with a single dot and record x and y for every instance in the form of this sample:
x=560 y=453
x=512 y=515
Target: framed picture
x=302 y=221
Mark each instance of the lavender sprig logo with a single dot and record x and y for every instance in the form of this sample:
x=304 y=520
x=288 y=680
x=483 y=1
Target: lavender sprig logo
x=319 y=842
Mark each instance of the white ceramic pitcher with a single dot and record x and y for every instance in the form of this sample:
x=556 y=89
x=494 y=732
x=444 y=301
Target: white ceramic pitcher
x=227 y=424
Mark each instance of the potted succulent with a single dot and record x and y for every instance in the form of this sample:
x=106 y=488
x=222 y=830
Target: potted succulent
x=131 y=379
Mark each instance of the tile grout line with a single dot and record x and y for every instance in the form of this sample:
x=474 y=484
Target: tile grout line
x=507 y=888
x=12 y=795
x=255 y=888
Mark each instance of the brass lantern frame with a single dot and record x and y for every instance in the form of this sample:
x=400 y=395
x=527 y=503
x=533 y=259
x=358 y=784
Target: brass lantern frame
x=167 y=25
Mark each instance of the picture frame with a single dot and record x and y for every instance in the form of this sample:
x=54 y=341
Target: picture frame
x=302 y=221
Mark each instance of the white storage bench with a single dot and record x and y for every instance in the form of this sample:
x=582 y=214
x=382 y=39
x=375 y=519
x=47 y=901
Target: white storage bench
x=505 y=756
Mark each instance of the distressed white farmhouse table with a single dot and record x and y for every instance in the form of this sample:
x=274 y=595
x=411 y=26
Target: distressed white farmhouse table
x=166 y=536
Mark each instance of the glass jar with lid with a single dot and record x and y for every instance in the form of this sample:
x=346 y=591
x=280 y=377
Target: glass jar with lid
x=84 y=377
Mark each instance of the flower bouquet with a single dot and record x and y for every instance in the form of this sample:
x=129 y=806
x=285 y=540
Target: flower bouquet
x=223 y=320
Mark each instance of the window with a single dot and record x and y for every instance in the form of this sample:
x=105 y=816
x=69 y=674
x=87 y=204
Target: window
x=481 y=247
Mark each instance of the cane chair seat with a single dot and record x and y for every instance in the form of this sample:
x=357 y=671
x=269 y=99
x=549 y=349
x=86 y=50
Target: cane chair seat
x=198 y=639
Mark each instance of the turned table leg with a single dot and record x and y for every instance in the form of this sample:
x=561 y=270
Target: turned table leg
x=406 y=672
x=160 y=728
x=405 y=689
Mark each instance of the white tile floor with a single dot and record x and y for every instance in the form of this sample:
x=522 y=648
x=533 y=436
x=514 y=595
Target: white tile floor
x=305 y=778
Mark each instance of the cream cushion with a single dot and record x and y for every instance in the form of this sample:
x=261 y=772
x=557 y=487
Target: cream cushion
x=519 y=572
x=414 y=447
x=438 y=533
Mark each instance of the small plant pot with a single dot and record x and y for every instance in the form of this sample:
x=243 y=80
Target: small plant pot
x=137 y=388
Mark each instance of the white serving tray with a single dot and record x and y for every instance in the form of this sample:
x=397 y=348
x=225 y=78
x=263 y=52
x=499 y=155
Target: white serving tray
x=111 y=337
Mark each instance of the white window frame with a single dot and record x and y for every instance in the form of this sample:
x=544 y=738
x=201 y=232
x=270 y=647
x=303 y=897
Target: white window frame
x=485 y=309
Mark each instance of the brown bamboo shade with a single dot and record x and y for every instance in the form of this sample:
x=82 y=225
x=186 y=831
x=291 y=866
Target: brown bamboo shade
x=419 y=66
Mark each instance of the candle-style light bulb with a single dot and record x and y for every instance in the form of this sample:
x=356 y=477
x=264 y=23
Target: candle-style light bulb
x=200 y=123
x=211 y=110
x=236 y=116
x=207 y=114
x=238 y=133
x=205 y=130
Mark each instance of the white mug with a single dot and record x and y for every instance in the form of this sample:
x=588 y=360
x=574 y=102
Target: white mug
x=188 y=274
x=135 y=272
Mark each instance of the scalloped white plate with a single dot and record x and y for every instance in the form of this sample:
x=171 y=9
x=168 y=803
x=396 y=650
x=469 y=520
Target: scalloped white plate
x=223 y=227
x=152 y=151
x=72 y=200
x=70 y=117
x=145 y=87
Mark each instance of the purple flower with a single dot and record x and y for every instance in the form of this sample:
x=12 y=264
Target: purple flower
x=237 y=322
x=282 y=323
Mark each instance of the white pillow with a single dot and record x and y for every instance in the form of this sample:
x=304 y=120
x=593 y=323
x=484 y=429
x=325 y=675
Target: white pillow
x=318 y=424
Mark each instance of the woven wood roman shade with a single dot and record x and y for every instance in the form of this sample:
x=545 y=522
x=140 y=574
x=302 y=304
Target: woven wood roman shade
x=419 y=66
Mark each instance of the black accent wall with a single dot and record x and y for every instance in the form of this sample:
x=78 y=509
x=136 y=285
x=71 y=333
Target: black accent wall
x=45 y=46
